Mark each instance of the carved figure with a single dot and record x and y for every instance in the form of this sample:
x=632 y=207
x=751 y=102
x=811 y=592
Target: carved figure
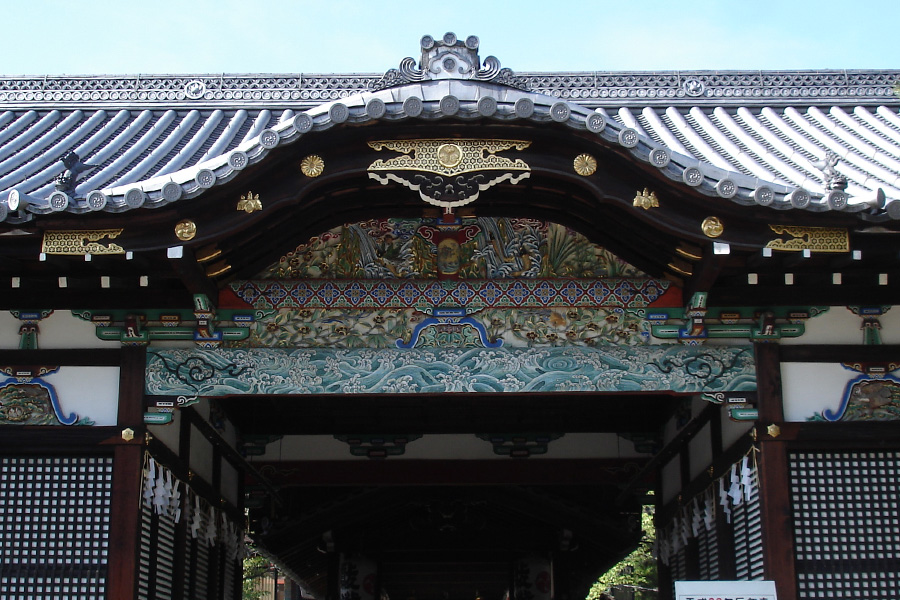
x=833 y=180
x=73 y=167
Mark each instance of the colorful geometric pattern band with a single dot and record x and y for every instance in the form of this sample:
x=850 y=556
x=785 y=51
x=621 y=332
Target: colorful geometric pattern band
x=474 y=295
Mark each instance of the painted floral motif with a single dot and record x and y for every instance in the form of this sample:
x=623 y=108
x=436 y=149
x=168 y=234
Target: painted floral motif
x=381 y=328
x=33 y=404
x=405 y=248
x=681 y=369
x=867 y=399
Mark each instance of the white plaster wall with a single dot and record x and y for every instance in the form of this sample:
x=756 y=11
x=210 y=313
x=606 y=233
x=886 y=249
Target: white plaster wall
x=168 y=433
x=90 y=392
x=9 y=331
x=447 y=446
x=202 y=408
x=669 y=431
x=670 y=480
x=809 y=388
x=840 y=326
x=890 y=326
x=229 y=433
x=201 y=455
x=229 y=483
x=732 y=431
x=60 y=330
x=700 y=450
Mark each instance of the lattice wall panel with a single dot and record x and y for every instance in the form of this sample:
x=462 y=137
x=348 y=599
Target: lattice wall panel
x=748 y=548
x=846 y=524
x=229 y=578
x=156 y=566
x=708 y=551
x=54 y=527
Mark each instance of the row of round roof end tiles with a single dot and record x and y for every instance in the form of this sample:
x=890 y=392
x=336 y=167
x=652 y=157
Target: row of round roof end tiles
x=449 y=105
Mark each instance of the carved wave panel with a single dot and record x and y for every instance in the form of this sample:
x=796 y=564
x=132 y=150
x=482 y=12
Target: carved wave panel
x=679 y=369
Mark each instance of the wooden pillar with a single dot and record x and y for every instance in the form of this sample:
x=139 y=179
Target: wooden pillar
x=125 y=512
x=774 y=475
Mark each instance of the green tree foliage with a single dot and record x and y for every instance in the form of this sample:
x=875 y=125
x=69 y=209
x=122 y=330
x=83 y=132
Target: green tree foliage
x=254 y=568
x=637 y=570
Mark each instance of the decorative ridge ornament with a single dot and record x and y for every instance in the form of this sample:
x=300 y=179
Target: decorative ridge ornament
x=449 y=172
x=449 y=58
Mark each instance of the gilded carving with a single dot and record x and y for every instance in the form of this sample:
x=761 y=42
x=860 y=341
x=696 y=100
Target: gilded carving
x=95 y=241
x=585 y=165
x=185 y=230
x=446 y=172
x=249 y=203
x=646 y=200
x=815 y=239
x=449 y=157
x=312 y=165
x=712 y=227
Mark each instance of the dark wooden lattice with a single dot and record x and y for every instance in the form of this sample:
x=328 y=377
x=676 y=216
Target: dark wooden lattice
x=846 y=509
x=708 y=554
x=156 y=567
x=54 y=526
x=748 y=549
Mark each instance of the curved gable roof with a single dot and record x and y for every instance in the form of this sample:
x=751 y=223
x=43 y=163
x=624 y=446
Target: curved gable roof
x=753 y=138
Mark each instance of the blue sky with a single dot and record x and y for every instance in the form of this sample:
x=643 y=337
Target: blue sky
x=50 y=37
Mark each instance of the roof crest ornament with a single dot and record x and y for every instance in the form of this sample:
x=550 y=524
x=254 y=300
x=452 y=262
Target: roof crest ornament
x=65 y=182
x=449 y=58
x=832 y=178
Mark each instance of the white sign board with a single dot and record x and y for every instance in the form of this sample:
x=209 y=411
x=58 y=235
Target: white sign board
x=725 y=590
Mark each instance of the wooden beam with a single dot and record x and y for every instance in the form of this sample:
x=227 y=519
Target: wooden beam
x=193 y=276
x=840 y=353
x=94 y=357
x=125 y=512
x=670 y=450
x=706 y=272
x=774 y=476
x=227 y=452
x=413 y=472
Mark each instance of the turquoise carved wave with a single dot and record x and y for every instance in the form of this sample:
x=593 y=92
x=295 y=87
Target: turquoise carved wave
x=679 y=369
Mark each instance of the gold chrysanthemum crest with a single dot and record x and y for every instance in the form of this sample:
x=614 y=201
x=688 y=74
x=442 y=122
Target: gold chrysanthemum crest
x=312 y=165
x=585 y=165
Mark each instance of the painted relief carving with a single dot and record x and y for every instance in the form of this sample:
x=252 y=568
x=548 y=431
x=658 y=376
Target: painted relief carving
x=26 y=399
x=489 y=248
x=448 y=257
x=867 y=399
x=681 y=369
x=407 y=327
